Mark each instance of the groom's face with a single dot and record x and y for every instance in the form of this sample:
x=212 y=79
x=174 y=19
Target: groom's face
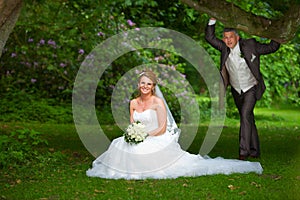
x=230 y=39
x=145 y=85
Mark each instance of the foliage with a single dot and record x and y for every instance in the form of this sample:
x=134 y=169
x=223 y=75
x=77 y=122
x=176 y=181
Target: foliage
x=282 y=75
x=44 y=54
x=19 y=106
x=23 y=107
x=204 y=105
x=262 y=8
x=19 y=147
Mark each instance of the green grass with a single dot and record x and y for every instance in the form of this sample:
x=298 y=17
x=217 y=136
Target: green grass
x=65 y=178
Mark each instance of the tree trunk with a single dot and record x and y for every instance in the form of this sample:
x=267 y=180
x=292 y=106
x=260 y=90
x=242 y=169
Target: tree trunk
x=9 y=13
x=282 y=29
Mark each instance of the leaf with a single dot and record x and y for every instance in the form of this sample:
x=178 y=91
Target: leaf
x=231 y=187
x=242 y=193
x=255 y=184
x=277 y=178
x=99 y=191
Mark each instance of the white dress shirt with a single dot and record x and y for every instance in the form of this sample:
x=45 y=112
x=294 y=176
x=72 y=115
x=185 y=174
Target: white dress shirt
x=240 y=76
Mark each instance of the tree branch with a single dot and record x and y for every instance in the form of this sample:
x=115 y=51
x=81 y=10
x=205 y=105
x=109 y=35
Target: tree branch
x=282 y=29
x=9 y=13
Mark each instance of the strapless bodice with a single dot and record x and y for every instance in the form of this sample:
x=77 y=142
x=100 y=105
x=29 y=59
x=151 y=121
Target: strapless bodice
x=148 y=118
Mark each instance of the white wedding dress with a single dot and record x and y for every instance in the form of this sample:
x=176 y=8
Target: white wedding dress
x=160 y=157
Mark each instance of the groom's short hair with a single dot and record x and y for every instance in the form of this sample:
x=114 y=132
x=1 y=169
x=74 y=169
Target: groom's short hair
x=230 y=30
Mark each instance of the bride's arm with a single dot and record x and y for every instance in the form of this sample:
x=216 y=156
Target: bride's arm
x=131 y=109
x=161 y=113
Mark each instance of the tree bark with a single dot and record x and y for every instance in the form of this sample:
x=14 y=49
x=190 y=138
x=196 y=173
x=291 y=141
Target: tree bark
x=9 y=13
x=281 y=30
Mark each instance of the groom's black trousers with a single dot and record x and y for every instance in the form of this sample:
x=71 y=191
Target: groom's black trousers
x=248 y=136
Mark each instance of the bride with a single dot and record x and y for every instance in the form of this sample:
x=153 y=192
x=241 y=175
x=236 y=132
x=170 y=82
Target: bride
x=159 y=156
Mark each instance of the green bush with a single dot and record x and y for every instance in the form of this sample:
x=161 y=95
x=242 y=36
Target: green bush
x=19 y=147
x=23 y=107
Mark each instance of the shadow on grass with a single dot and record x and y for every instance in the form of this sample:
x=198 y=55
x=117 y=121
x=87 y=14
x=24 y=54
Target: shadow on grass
x=270 y=118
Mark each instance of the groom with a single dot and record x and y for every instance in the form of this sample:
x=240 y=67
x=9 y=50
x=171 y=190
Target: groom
x=240 y=68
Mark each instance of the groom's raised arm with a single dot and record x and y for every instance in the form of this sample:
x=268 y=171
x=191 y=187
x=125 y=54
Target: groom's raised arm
x=210 y=35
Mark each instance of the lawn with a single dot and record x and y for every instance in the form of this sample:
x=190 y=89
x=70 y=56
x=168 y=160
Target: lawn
x=62 y=175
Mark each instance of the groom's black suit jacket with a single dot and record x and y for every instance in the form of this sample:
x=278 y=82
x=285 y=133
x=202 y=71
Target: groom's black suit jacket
x=250 y=50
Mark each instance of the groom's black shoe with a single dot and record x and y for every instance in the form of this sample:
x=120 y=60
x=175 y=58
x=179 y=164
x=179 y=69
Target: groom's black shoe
x=241 y=157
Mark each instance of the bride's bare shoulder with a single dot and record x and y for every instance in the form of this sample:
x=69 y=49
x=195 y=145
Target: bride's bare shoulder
x=158 y=101
x=134 y=102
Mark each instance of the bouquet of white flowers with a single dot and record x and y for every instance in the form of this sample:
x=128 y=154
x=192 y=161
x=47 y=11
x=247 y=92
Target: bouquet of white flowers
x=135 y=133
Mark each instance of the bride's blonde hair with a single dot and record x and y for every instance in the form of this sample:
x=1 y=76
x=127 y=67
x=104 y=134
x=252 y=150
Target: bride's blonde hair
x=149 y=74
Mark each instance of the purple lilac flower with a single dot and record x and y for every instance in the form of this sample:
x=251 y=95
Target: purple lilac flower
x=42 y=41
x=62 y=65
x=130 y=23
x=81 y=51
x=30 y=40
x=33 y=80
x=167 y=75
x=100 y=34
x=52 y=43
x=13 y=55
